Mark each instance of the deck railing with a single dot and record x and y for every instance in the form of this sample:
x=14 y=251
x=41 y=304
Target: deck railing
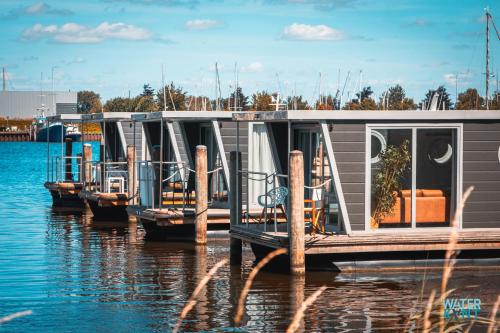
x=151 y=188
x=64 y=169
x=272 y=183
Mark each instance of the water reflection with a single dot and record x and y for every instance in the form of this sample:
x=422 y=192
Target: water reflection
x=77 y=274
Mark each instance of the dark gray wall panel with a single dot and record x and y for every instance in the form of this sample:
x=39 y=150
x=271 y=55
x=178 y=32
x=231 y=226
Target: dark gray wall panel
x=348 y=141
x=481 y=169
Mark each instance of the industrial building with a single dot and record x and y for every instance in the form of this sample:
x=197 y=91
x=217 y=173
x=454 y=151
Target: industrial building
x=26 y=104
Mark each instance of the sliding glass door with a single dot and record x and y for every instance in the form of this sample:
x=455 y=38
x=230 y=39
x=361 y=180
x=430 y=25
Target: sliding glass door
x=413 y=176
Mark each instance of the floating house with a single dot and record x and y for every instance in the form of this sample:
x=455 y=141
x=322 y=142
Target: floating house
x=64 y=166
x=109 y=183
x=377 y=185
x=167 y=204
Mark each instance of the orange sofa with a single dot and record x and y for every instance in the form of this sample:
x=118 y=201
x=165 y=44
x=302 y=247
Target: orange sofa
x=432 y=206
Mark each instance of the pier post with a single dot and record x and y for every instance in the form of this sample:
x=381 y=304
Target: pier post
x=132 y=174
x=296 y=231
x=235 y=248
x=201 y=188
x=87 y=158
x=102 y=159
x=68 y=174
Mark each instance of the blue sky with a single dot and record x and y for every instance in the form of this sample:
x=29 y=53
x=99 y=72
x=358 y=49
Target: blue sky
x=113 y=46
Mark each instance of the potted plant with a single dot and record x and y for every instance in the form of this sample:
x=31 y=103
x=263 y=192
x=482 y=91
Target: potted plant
x=393 y=165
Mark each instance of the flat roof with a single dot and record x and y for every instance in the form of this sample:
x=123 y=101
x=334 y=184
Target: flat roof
x=183 y=115
x=110 y=116
x=346 y=115
x=65 y=117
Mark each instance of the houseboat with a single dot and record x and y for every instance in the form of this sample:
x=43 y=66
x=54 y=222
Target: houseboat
x=376 y=187
x=167 y=205
x=64 y=165
x=109 y=183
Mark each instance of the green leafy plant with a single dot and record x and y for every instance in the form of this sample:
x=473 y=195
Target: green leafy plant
x=394 y=163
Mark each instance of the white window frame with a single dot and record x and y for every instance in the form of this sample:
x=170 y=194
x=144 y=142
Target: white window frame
x=413 y=127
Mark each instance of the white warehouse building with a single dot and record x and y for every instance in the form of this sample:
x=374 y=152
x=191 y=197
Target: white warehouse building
x=25 y=104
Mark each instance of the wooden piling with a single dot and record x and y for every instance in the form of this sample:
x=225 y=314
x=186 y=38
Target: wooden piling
x=235 y=181
x=296 y=232
x=132 y=174
x=201 y=188
x=68 y=174
x=102 y=159
x=87 y=158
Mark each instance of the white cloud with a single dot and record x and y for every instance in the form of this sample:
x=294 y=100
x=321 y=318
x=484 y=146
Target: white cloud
x=254 y=67
x=76 y=33
x=307 y=32
x=38 y=8
x=202 y=24
x=451 y=78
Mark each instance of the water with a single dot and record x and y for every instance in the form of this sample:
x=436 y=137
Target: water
x=77 y=275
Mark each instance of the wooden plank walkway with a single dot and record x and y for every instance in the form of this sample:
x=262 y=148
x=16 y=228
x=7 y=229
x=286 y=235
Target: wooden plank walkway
x=421 y=240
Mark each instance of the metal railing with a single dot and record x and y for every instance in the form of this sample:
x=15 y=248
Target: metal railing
x=106 y=177
x=272 y=182
x=151 y=188
x=64 y=169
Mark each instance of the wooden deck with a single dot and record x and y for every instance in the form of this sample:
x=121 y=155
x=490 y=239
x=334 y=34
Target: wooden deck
x=170 y=217
x=65 y=193
x=404 y=241
x=105 y=199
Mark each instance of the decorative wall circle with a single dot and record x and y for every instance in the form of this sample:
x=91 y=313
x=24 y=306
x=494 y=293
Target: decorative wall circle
x=440 y=151
x=378 y=145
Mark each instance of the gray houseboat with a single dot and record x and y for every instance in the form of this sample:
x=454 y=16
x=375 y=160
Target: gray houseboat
x=378 y=185
x=63 y=180
x=108 y=188
x=166 y=204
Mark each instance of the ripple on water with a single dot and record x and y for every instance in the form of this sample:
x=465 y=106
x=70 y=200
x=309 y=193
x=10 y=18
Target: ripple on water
x=77 y=275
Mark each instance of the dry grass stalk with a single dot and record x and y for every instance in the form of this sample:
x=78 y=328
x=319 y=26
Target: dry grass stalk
x=427 y=314
x=14 y=316
x=493 y=316
x=248 y=283
x=295 y=324
x=451 y=253
x=193 y=299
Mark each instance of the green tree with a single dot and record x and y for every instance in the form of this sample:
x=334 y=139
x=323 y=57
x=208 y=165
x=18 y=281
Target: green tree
x=470 y=100
x=88 y=102
x=240 y=103
x=395 y=99
x=495 y=101
x=261 y=101
x=297 y=103
x=326 y=103
x=120 y=104
x=148 y=91
x=444 y=101
x=144 y=104
x=366 y=104
x=175 y=94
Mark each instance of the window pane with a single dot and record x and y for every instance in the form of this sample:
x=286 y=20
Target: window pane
x=391 y=178
x=436 y=172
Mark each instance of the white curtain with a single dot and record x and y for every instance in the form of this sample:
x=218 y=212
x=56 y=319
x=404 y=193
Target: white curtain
x=260 y=160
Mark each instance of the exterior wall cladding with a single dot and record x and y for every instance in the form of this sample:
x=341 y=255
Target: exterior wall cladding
x=348 y=142
x=229 y=140
x=481 y=169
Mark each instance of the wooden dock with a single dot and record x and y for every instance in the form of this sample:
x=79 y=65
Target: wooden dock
x=106 y=206
x=65 y=193
x=468 y=239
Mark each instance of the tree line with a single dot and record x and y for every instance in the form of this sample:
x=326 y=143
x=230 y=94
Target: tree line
x=175 y=98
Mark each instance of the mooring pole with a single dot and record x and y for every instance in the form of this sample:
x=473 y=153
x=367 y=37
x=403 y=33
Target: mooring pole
x=68 y=174
x=132 y=175
x=102 y=158
x=235 y=249
x=296 y=231
x=201 y=188
x=87 y=159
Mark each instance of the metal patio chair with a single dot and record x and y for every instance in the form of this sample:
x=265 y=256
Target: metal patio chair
x=275 y=198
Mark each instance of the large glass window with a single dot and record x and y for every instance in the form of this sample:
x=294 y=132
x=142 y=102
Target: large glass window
x=436 y=175
x=391 y=178
x=413 y=177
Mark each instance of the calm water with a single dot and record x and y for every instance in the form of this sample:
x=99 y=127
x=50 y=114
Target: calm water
x=77 y=275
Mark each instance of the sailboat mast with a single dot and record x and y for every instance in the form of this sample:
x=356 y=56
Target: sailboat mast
x=487 y=56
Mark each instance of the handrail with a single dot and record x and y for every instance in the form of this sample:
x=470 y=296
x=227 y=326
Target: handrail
x=56 y=169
